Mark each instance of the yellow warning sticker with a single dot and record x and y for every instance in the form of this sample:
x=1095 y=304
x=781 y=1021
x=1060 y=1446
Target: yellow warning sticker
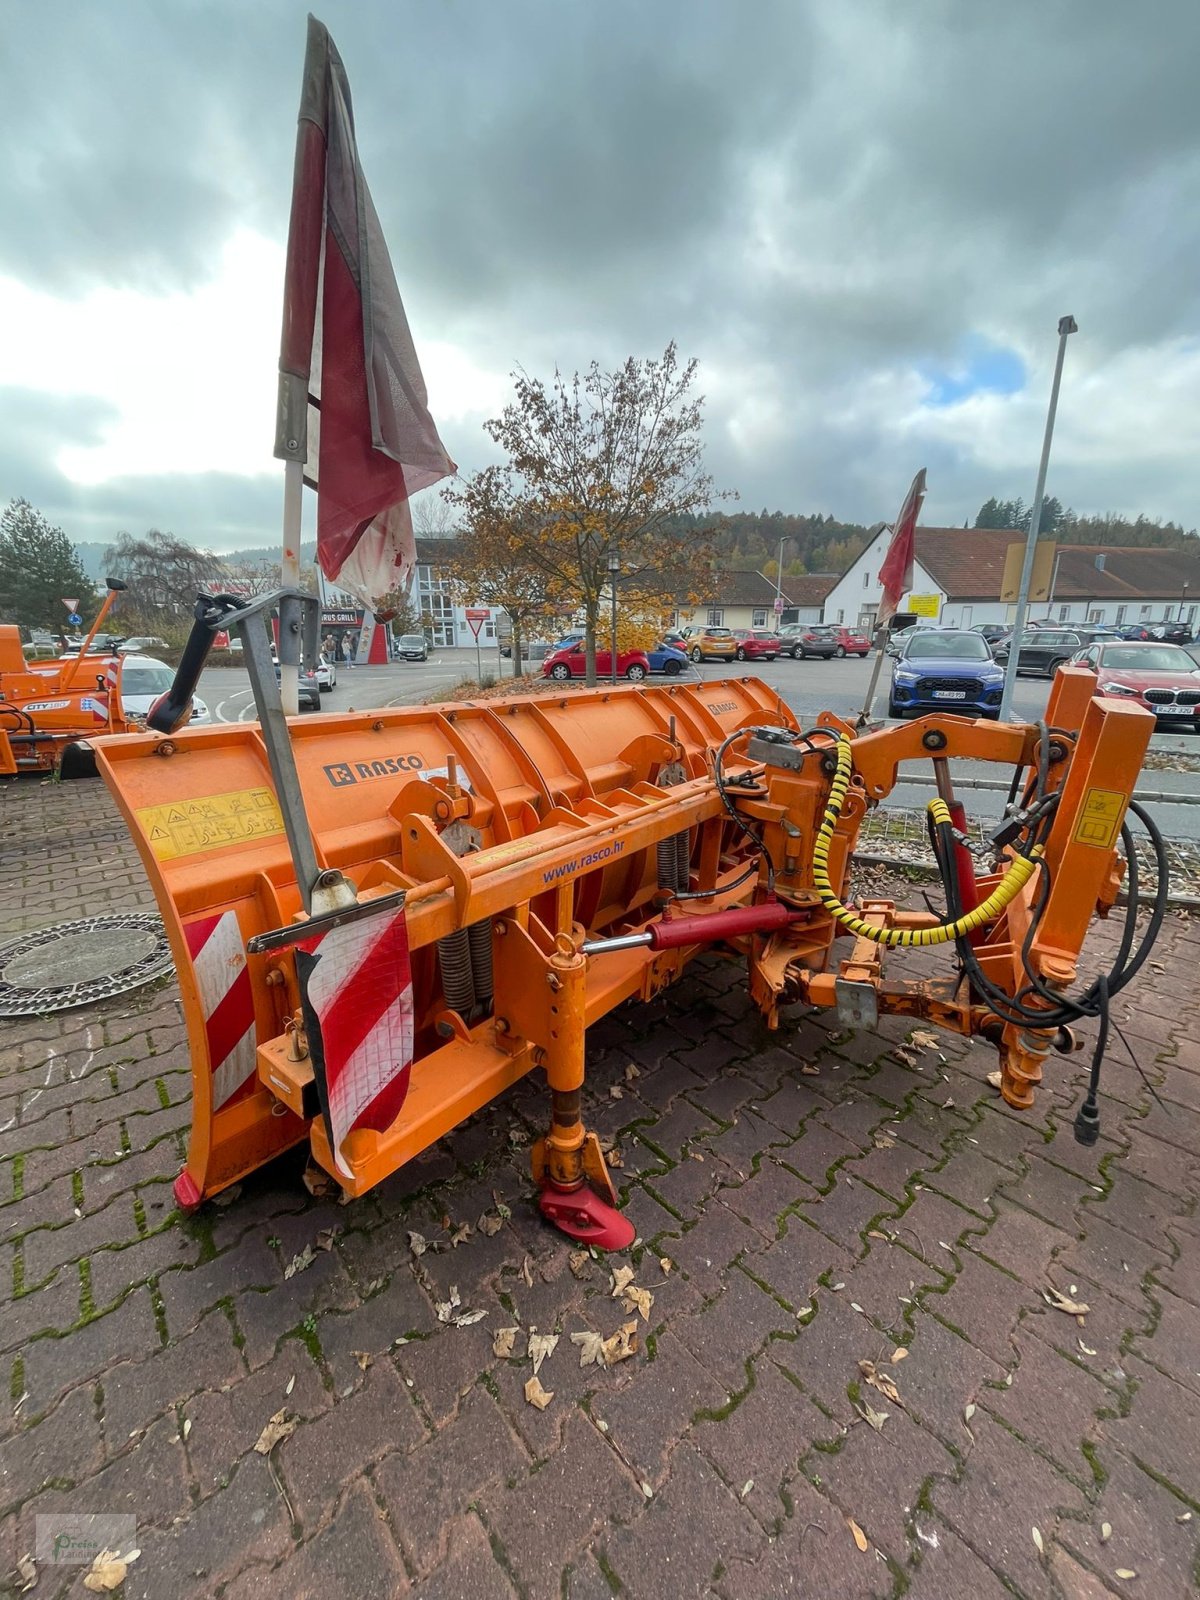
x=190 y=827
x=1100 y=821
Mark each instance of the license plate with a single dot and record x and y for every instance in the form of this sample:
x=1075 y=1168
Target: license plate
x=949 y=694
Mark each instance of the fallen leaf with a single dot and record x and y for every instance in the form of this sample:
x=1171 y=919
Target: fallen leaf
x=947 y=1103
x=884 y=1141
x=363 y=1358
x=527 y=1272
x=898 y=1355
x=615 y=1159
x=615 y=1092
x=874 y=1233
x=665 y=1263
x=460 y=1235
x=325 y=1238
x=502 y=1211
x=923 y=1040
x=541 y=1345
x=445 y=1309
x=187 y=1427
x=536 y=1395
x=504 y=1342
x=639 y=1300
x=1184 y=1516
x=809 y=1069
x=880 y=1381
x=591 y=1349
x=300 y=1263
x=1037 y=1539
x=867 y=1412
x=290 y=1385
x=577 y=1261
x=995 y=1079
x=281 y=1426
x=621 y=1345
x=108 y=1571
x=318 y=1182
x=465 y=1319
x=860 y=1538
x=1086 y=1348
x=746 y=1488
x=28 y=1572
x=621 y=1277
x=1061 y=1302
x=632 y=1071
x=489 y=1224
x=647 y=1490
x=1105 y=1532
x=1126 y=1572
x=968 y=1412
x=417 y=1243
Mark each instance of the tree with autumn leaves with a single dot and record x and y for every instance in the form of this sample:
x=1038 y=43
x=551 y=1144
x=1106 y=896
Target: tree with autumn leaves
x=598 y=464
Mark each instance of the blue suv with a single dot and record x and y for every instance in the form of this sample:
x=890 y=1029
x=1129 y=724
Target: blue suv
x=939 y=670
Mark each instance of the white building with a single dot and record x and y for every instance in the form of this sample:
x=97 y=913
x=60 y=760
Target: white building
x=958 y=577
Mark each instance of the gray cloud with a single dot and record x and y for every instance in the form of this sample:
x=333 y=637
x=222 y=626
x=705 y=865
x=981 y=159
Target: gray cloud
x=815 y=200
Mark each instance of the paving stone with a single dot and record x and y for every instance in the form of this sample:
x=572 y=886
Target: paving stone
x=1051 y=1405
x=983 y=1304
x=54 y=1307
x=729 y=1331
x=815 y=1152
x=427 y=1487
x=135 y=1392
x=447 y=1365
x=325 y=1453
x=244 y=1524
x=889 y=1166
x=264 y=1318
x=226 y=1420
x=52 y=1366
x=1021 y=1243
x=356 y=1549
x=763 y=1198
x=876 y=1477
x=1141 y=1208
x=148 y=1481
x=848 y=1211
x=543 y=1524
x=887 y=1282
x=687 y=1535
x=650 y=1413
x=798 y=1259
x=400 y=1310
x=1146 y=1532
x=189 y=1293
x=705 y=1250
x=813 y=1557
x=1161 y=1429
x=761 y=1440
x=65 y=1444
x=471 y=1571
x=949 y=1568
x=1006 y=1491
x=941 y=1376
x=113 y=1271
x=971 y=1178
x=1113 y=1258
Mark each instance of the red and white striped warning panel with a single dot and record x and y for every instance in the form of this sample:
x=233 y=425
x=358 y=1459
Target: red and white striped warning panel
x=219 y=960
x=358 y=993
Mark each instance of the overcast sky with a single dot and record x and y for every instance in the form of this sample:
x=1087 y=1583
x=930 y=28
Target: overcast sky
x=865 y=220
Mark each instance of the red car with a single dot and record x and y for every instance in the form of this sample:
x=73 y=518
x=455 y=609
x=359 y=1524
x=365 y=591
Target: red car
x=1161 y=677
x=756 y=644
x=572 y=663
x=850 y=642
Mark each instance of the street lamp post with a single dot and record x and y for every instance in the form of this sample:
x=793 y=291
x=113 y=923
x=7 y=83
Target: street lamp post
x=1183 y=599
x=1066 y=327
x=614 y=567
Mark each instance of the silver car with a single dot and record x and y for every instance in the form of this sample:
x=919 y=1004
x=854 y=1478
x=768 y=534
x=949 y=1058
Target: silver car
x=142 y=681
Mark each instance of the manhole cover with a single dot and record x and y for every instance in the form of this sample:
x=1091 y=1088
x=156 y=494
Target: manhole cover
x=79 y=963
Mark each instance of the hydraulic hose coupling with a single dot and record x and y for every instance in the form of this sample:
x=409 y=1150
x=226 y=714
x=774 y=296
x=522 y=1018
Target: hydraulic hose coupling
x=1014 y=880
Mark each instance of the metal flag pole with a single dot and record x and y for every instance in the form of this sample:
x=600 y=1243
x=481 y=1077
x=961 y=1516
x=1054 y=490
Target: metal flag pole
x=1066 y=327
x=289 y=644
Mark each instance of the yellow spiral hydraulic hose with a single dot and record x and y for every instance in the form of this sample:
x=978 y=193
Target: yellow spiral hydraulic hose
x=1017 y=876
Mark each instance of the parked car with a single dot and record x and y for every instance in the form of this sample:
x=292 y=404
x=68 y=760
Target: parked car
x=663 y=658
x=756 y=644
x=1171 y=632
x=412 y=647
x=993 y=632
x=326 y=675
x=1046 y=649
x=1136 y=631
x=143 y=680
x=713 y=644
x=309 y=697
x=677 y=638
x=897 y=640
x=141 y=645
x=572 y=663
x=946 y=670
x=1161 y=677
x=104 y=644
x=850 y=641
x=805 y=639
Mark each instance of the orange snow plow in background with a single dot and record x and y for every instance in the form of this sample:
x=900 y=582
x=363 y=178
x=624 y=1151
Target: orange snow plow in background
x=49 y=711
x=382 y=920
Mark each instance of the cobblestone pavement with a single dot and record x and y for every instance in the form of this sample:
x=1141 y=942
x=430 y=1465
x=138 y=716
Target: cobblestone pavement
x=806 y=1202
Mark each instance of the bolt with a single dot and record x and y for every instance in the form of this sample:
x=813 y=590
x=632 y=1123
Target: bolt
x=275 y=977
x=501 y=1024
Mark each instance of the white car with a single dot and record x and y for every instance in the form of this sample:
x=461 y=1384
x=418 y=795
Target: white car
x=326 y=675
x=142 y=681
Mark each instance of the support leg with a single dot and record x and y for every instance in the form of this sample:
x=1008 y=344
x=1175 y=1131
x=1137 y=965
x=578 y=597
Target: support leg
x=577 y=1194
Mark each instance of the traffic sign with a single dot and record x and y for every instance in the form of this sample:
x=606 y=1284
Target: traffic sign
x=74 y=620
x=72 y=605
x=476 y=617
x=778 y=604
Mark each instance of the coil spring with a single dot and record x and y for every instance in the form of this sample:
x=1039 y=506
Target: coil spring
x=479 y=936
x=683 y=860
x=666 y=863
x=458 y=981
